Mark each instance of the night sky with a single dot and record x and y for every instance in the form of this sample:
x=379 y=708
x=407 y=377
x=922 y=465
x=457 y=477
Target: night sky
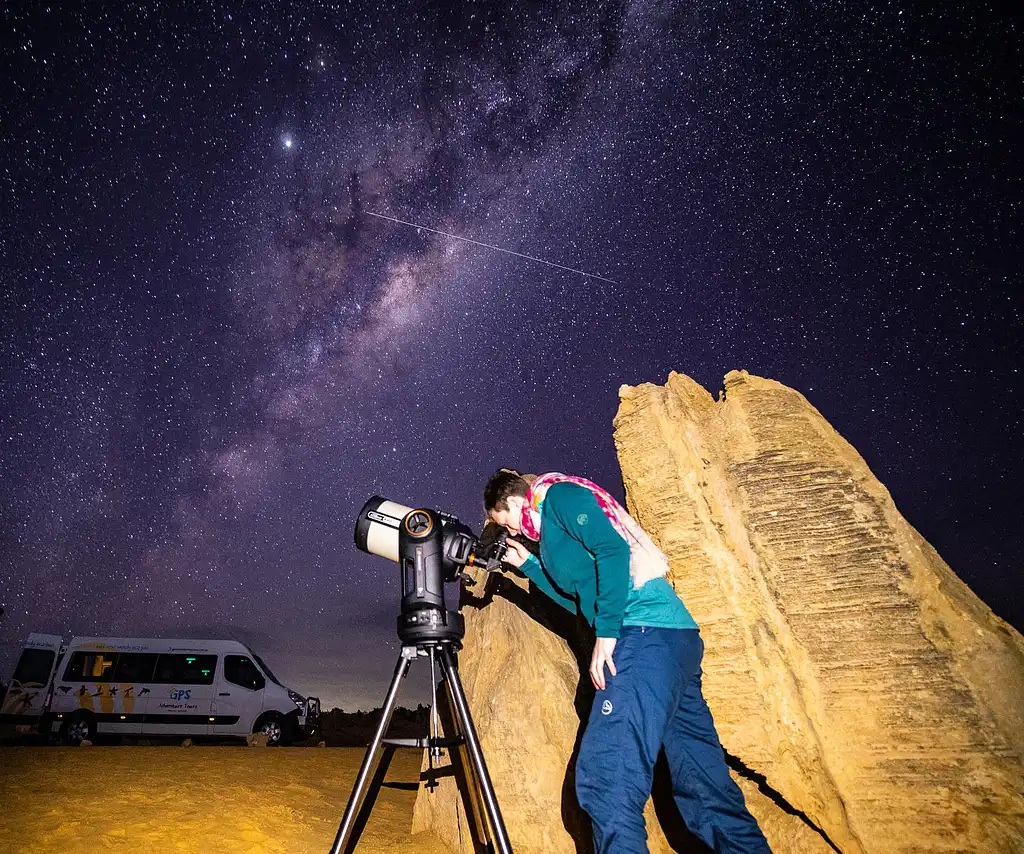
x=211 y=355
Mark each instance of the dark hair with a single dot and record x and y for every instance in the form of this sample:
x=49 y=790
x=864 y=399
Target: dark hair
x=504 y=483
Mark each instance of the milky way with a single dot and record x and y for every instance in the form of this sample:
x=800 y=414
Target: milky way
x=212 y=354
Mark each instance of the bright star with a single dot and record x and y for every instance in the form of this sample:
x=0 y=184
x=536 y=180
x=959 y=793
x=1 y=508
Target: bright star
x=288 y=142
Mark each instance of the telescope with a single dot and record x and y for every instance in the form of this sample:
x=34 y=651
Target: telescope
x=432 y=548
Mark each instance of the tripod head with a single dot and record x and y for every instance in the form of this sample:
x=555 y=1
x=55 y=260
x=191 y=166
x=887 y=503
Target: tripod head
x=431 y=548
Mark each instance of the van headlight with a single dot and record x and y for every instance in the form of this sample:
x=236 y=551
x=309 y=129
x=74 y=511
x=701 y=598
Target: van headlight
x=298 y=699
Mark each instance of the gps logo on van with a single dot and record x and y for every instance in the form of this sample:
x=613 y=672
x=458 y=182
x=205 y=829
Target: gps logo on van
x=179 y=694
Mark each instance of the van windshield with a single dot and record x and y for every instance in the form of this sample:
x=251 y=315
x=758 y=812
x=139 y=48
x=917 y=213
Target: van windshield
x=34 y=666
x=265 y=669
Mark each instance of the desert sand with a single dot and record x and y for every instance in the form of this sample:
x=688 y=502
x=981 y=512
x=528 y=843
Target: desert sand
x=207 y=800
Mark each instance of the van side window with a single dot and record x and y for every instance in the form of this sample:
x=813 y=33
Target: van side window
x=239 y=670
x=175 y=668
x=135 y=667
x=88 y=666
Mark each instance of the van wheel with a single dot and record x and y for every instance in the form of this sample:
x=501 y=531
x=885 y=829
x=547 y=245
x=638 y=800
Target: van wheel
x=78 y=728
x=271 y=725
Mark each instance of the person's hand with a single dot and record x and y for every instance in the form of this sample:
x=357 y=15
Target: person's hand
x=603 y=649
x=517 y=553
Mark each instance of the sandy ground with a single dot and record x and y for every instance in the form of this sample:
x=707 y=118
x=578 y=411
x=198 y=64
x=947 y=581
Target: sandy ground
x=206 y=800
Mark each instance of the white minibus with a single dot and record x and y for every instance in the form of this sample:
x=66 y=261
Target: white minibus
x=154 y=687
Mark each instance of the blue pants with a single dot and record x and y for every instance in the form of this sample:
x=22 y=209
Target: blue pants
x=655 y=700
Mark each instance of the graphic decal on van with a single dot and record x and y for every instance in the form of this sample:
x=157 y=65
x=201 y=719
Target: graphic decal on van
x=21 y=698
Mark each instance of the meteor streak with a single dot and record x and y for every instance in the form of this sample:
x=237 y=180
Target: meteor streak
x=492 y=246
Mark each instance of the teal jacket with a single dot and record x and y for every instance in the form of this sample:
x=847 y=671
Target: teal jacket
x=584 y=567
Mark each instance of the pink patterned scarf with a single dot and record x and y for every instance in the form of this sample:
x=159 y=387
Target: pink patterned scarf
x=539 y=489
x=646 y=560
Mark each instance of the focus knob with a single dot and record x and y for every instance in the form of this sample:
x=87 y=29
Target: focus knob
x=418 y=523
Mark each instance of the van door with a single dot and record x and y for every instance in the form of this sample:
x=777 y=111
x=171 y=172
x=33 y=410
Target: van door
x=133 y=677
x=239 y=699
x=182 y=695
x=86 y=691
x=26 y=697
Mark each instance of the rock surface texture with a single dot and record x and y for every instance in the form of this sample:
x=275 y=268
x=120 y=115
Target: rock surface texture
x=845 y=662
x=874 y=704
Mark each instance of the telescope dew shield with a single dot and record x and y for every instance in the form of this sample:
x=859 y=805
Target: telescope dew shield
x=377 y=527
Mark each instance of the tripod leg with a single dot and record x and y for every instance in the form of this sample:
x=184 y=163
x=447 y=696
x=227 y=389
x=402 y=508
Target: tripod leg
x=349 y=820
x=371 y=796
x=466 y=781
x=476 y=755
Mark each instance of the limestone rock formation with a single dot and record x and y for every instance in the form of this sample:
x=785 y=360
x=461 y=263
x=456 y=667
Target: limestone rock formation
x=845 y=662
x=874 y=704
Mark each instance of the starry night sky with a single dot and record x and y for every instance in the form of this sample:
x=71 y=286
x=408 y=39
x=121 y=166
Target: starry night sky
x=211 y=355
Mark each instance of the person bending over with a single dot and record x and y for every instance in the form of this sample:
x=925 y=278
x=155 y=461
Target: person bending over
x=597 y=561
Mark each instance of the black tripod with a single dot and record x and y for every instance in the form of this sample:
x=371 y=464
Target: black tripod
x=431 y=547
x=479 y=793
